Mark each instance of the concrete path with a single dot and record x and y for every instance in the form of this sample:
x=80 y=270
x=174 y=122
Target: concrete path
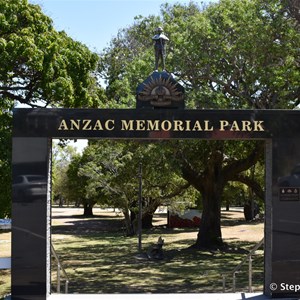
x=226 y=296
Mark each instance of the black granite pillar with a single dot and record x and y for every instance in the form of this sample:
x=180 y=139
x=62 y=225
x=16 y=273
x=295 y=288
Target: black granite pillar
x=286 y=218
x=29 y=218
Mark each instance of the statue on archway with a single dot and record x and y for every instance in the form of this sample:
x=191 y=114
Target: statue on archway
x=160 y=89
x=160 y=48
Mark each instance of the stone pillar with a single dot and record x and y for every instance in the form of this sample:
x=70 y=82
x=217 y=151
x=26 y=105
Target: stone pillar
x=30 y=230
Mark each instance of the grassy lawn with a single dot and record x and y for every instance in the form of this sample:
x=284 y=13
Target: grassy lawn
x=98 y=258
x=4 y=283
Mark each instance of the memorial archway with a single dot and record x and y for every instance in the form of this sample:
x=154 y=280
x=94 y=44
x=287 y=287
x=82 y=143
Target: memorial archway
x=35 y=128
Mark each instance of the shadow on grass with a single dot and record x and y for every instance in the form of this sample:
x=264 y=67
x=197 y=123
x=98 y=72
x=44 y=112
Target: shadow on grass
x=114 y=222
x=99 y=259
x=230 y=222
x=108 y=264
x=5 y=282
x=81 y=216
x=97 y=224
x=108 y=224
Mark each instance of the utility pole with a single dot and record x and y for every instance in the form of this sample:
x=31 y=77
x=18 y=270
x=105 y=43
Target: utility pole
x=140 y=210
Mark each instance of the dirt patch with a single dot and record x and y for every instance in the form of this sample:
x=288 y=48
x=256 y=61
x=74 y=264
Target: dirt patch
x=234 y=226
x=5 y=243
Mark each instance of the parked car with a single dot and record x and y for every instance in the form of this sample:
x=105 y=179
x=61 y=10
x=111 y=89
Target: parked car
x=26 y=186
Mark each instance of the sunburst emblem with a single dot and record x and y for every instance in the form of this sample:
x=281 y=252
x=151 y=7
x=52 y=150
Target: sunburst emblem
x=160 y=91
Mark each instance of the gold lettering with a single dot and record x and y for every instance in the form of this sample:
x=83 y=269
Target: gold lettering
x=127 y=125
x=234 y=126
x=207 y=126
x=169 y=125
x=197 y=126
x=178 y=125
x=140 y=125
x=246 y=126
x=75 y=124
x=109 y=125
x=223 y=124
x=156 y=125
x=188 y=125
x=97 y=126
x=153 y=125
x=258 y=126
x=86 y=125
x=63 y=125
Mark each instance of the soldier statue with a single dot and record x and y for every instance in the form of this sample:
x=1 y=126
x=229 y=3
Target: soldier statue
x=160 y=48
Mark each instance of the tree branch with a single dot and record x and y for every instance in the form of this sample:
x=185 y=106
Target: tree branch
x=241 y=165
x=176 y=192
x=254 y=185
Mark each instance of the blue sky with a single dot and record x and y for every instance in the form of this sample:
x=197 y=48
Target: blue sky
x=95 y=22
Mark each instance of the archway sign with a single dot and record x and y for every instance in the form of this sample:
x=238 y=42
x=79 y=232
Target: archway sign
x=34 y=129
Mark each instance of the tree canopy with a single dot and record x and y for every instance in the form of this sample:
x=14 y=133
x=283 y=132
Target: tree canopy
x=39 y=67
x=232 y=54
x=5 y=161
x=110 y=170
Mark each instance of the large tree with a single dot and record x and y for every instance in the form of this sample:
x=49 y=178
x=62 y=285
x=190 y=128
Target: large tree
x=38 y=67
x=77 y=190
x=233 y=54
x=237 y=54
x=209 y=168
x=62 y=155
x=110 y=170
x=5 y=163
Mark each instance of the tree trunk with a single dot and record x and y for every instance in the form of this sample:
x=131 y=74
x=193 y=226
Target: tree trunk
x=209 y=235
x=88 y=210
x=149 y=208
x=210 y=184
x=147 y=220
x=210 y=181
x=227 y=205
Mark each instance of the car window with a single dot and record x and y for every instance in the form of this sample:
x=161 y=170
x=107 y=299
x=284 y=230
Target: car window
x=33 y=178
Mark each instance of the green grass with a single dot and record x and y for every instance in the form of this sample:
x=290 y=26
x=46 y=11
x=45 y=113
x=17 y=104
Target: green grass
x=106 y=262
x=98 y=258
x=4 y=283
